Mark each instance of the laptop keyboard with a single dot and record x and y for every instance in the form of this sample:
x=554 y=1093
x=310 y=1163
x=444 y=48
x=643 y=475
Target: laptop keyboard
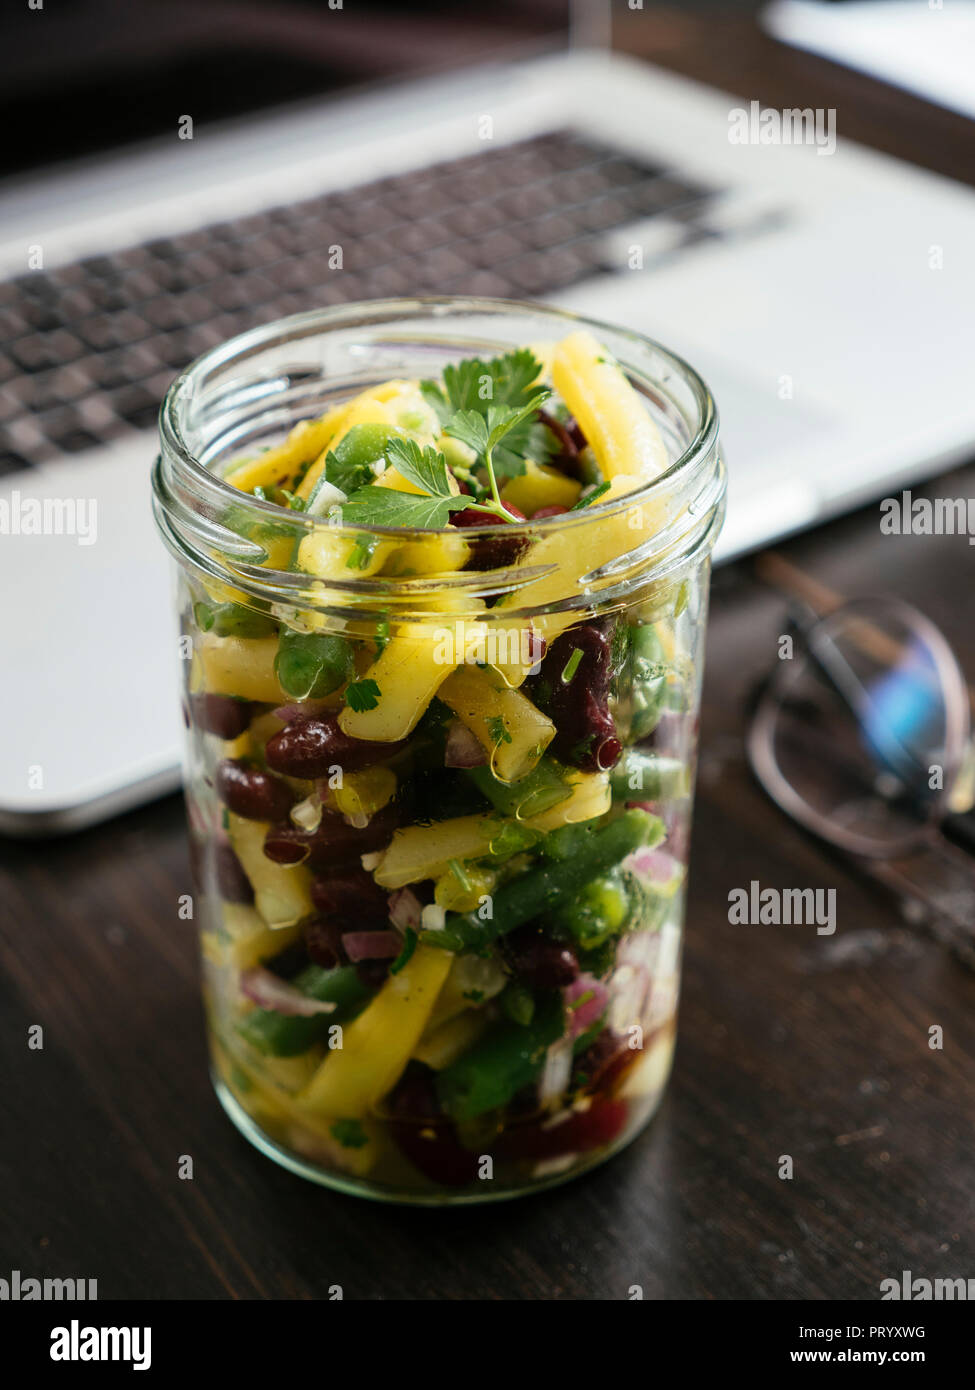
x=89 y=348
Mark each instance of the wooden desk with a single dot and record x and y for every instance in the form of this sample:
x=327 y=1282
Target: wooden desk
x=789 y=1043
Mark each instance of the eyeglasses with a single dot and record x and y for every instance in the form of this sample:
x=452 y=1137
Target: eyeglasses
x=862 y=735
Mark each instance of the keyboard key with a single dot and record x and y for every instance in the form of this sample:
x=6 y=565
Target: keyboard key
x=136 y=406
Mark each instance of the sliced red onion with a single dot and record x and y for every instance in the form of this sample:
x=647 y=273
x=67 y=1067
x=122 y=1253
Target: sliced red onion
x=654 y=864
x=405 y=909
x=271 y=992
x=462 y=748
x=585 y=1000
x=556 y=1072
x=305 y=710
x=371 y=945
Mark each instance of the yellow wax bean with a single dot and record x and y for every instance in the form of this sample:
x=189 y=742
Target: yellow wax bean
x=590 y=797
x=377 y=1045
x=327 y=553
x=241 y=666
x=508 y=727
x=275 y=466
x=408 y=673
x=364 y=793
x=417 y=852
x=440 y=1046
x=398 y=404
x=611 y=414
x=438 y=553
x=540 y=486
x=573 y=552
x=245 y=939
x=282 y=893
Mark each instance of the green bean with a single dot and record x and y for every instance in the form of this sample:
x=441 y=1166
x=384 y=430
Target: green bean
x=549 y=885
x=312 y=664
x=288 y=1035
x=233 y=620
x=489 y=1074
x=349 y=465
x=645 y=777
x=542 y=789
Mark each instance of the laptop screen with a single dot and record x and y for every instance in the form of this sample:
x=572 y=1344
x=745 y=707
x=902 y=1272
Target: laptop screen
x=78 y=77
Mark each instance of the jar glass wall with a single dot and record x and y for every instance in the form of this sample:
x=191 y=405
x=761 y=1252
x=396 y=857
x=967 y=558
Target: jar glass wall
x=440 y=938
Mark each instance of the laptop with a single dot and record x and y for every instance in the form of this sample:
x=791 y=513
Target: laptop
x=824 y=294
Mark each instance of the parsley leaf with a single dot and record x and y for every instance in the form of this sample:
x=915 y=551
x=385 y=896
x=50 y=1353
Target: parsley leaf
x=362 y=552
x=410 y=938
x=475 y=384
x=471 y=428
x=426 y=468
x=493 y=435
x=385 y=506
x=362 y=695
x=496 y=728
x=347 y=474
x=349 y=1134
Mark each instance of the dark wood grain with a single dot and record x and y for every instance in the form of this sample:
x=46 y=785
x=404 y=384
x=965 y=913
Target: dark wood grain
x=789 y=1044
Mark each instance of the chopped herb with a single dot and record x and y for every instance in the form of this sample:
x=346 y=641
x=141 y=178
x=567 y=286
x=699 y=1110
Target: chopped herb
x=496 y=728
x=511 y=839
x=362 y=695
x=260 y=494
x=589 y=497
x=204 y=616
x=385 y=506
x=476 y=996
x=410 y=938
x=582 y=749
x=571 y=666
x=508 y=383
x=498 y=428
x=475 y=384
x=349 y=1134
x=382 y=636
x=457 y=869
x=362 y=552
x=517 y=1004
x=426 y=468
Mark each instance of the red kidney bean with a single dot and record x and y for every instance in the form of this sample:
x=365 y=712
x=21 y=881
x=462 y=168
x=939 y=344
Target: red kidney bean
x=414 y=1097
x=576 y=434
x=220 y=715
x=603 y=1063
x=568 y=457
x=249 y=792
x=333 y=843
x=554 y=510
x=352 y=898
x=583 y=1130
x=598 y=748
x=310 y=747
x=323 y=942
x=579 y=707
x=490 y=552
x=540 y=962
x=233 y=883
x=286 y=844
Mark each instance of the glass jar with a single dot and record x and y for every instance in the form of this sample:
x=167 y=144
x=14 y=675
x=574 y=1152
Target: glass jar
x=525 y=1030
